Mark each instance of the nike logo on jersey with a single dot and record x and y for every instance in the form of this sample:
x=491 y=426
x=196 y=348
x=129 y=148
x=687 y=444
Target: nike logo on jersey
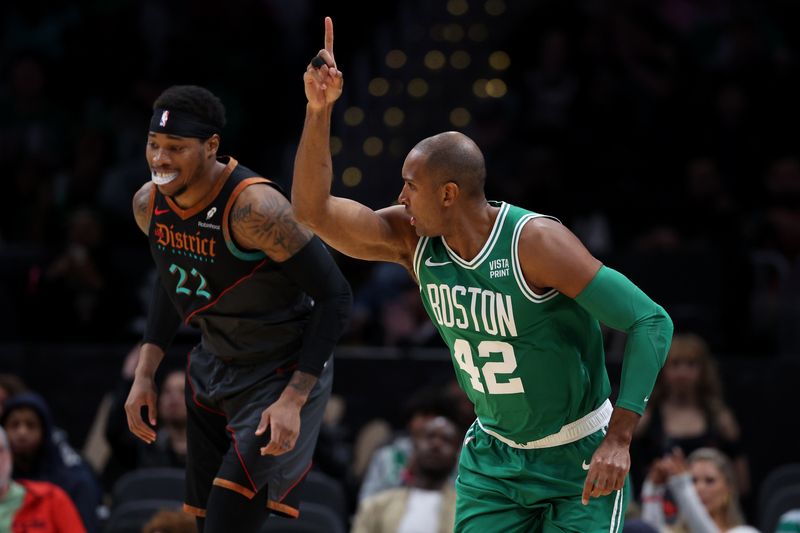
x=430 y=263
x=585 y=466
x=158 y=211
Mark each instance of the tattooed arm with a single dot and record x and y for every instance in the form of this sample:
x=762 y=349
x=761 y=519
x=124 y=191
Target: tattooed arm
x=142 y=206
x=261 y=218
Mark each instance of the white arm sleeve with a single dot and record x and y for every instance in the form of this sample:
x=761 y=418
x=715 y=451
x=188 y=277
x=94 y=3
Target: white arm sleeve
x=690 y=507
x=653 y=504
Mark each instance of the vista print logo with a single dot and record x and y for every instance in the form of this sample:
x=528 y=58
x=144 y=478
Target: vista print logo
x=211 y=213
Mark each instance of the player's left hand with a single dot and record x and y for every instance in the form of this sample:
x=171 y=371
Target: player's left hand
x=607 y=471
x=283 y=420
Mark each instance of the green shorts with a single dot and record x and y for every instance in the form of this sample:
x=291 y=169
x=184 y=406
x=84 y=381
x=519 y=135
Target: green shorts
x=500 y=488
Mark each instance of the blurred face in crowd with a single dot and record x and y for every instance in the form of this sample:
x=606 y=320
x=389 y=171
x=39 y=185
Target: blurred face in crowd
x=5 y=462
x=3 y=397
x=437 y=447
x=710 y=484
x=171 y=401
x=683 y=368
x=25 y=431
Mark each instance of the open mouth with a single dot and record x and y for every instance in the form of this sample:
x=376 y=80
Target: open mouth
x=162 y=178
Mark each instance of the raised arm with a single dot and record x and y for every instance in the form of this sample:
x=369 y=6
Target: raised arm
x=348 y=226
x=552 y=256
x=262 y=219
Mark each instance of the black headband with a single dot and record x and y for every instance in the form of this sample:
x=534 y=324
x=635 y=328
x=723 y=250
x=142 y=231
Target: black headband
x=181 y=123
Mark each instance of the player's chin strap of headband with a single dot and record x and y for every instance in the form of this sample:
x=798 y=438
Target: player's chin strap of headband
x=181 y=123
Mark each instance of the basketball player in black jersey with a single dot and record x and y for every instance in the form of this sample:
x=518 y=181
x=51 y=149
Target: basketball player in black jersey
x=270 y=304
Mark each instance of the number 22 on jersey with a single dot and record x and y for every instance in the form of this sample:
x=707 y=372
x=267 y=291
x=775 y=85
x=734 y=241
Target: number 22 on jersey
x=462 y=352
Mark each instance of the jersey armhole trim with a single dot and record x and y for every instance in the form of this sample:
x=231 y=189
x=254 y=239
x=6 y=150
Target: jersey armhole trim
x=421 y=243
x=151 y=206
x=226 y=230
x=517 y=266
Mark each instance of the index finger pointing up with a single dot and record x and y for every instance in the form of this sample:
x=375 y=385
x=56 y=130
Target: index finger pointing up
x=329 y=35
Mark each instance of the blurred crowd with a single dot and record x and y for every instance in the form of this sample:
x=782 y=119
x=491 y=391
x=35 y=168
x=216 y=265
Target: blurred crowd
x=690 y=468
x=662 y=132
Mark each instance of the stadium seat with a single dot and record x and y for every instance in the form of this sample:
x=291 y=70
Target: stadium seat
x=319 y=488
x=131 y=516
x=149 y=483
x=781 y=476
x=785 y=498
x=314 y=518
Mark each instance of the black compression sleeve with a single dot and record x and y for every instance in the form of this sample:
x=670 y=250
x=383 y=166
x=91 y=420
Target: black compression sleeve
x=163 y=319
x=315 y=271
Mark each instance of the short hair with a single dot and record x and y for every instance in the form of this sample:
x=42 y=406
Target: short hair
x=452 y=156
x=193 y=99
x=12 y=384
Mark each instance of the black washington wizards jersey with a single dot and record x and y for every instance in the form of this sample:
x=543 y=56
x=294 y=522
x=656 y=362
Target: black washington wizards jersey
x=241 y=301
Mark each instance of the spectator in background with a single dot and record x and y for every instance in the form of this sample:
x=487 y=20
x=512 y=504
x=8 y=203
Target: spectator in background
x=33 y=505
x=687 y=410
x=427 y=504
x=390 y=463
x=10 y=385
x=705 y=492
x=29 y=426
x=129 y=453
x=168 y=521
x=789 y=522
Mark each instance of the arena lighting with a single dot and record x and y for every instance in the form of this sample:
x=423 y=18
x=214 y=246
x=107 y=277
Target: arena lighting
x=499 y=60
x=373 y=146
x=418 y=87
x=396 y=59
x=397 y=147
x=336 y=145
x=460 y=117
x=453 y=32
x=457 y=7
x=496 y=88
x=378 y=87
x=353 y=116
x=460 y=59
x=478 y=32
x=393 y=117
x=434 y=60
x=351 y=176
x=479 y=88
x=495 y=7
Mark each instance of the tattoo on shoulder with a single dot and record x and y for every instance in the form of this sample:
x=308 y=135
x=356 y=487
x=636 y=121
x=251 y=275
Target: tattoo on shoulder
x=141 y=207
x=267 y=223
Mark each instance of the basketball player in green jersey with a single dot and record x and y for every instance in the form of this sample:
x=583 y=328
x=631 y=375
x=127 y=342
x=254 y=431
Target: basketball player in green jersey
x=518 y=300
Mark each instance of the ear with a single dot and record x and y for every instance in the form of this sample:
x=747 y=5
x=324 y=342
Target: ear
x=211 y=147
x=450 y=192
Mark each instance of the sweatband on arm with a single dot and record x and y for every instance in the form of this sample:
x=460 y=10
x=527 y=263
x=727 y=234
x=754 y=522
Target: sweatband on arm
x=163 y=319
x=616 y=302
x=315 y=271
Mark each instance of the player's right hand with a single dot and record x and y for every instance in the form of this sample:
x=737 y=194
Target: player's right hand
x=142 y=394
x=324 y=84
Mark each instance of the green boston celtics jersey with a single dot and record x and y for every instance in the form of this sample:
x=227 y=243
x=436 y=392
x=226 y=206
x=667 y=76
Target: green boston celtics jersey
x=530 y=363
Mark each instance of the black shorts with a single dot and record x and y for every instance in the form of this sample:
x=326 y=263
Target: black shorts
x=224 y=403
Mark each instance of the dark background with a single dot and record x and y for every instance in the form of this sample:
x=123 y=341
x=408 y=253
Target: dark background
x=662 y=132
